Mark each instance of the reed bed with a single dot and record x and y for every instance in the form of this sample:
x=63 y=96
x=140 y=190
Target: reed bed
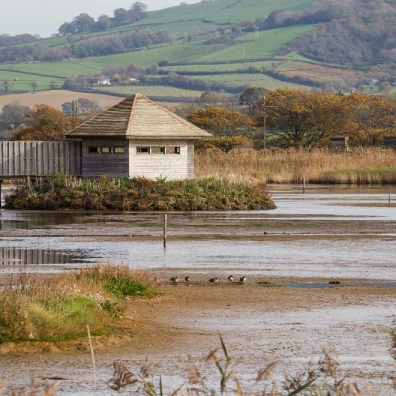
x=362 y=166
x=60 y=306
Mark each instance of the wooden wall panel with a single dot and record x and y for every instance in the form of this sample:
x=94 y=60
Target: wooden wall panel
x=171 y=167
x=96 y=165
x=31 y=158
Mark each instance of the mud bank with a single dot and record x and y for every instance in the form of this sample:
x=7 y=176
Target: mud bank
x=260 y=324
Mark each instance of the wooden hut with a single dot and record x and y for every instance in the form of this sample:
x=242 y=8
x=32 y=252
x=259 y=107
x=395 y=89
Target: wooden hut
x=137 y=137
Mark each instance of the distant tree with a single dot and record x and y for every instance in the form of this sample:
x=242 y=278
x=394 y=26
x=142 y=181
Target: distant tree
x=302 y=118
x=223 y=143
x=215 y=98
x=14 y=115
x=221 y=121
x=252 y=96
x=369 y=118
x=121 y=16
x=34 y=86
x=84 y=23
x=82 y=106
x=45 y=123
x=103 y=23
x=67 y=28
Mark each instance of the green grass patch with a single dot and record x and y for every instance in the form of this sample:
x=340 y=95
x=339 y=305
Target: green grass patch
x=59 y=307
x=139 y=194
x=123 y=287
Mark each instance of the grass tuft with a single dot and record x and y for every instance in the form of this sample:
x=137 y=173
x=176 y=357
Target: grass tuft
x=59 y=307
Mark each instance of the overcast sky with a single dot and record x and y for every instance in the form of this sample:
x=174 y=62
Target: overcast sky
x=43 y=17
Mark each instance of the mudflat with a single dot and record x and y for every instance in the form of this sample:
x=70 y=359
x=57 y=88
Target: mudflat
x=260 y=323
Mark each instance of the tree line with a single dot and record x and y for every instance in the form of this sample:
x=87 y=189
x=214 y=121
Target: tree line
x=44 y=122
x=84 y=23
x=293 y=118
x=94 y=46
x=301 y=118
x=6 y=39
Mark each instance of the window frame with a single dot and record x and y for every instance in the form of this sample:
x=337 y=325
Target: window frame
x=162 y=150
x=106 y=147
x=140 y=152
x=90 y=150
x=173 y=150
x=115 y=148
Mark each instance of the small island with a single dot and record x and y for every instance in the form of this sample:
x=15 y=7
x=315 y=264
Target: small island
x=139 y=194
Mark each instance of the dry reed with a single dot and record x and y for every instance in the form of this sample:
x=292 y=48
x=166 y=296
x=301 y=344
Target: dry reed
x=362 y=166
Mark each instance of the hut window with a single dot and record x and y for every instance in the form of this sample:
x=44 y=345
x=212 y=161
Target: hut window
x=105 y=150
x=119 y=150
x=157 y=150
x=93 y=150
x=173 y=150
x=143 y=150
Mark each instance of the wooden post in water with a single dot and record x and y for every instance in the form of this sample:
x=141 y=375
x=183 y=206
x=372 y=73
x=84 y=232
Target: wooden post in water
x=1 y=185
x=304 y=185
x=165 y=228
x=389 y=199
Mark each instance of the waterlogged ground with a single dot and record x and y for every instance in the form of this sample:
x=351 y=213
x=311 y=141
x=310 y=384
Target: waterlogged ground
x=327 y=233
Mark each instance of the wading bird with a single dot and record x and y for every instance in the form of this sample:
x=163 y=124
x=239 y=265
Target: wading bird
x=231 y=278
x=243 y=280
x=214 y=280
x=175 y=280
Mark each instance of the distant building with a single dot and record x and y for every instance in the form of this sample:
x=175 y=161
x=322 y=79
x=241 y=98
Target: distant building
x=103 y=83
x=339 y=144
x=137 y=137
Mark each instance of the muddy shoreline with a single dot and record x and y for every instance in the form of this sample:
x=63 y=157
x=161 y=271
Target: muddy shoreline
x=182 y=325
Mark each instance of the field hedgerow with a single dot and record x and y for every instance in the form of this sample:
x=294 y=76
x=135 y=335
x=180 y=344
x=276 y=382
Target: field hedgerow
x=138 y=194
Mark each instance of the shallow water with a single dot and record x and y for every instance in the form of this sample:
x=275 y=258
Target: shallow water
x=316 y=234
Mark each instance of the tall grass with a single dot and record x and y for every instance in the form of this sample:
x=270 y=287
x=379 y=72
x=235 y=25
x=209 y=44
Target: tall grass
x=362 y=166
x=107 y=193
x=60 y=306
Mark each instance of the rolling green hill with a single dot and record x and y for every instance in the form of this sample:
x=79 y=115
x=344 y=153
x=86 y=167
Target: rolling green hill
x=204 y=47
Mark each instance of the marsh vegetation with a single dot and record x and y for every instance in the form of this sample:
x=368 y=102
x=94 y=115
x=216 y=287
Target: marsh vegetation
x=139 y=194
x=361 y=166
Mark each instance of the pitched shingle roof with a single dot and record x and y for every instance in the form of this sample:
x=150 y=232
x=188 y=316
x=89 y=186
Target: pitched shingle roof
x=137 y=117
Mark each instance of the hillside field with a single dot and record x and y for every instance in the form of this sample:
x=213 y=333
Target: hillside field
x=204 y=24
x=57 y=98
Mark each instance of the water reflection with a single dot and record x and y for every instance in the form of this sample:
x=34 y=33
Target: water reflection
x=22 y=256
x=24 y=220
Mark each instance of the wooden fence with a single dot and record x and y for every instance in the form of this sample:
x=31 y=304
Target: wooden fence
x=32 y=158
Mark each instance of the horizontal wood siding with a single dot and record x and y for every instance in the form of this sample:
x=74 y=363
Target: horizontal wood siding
x=172 y=167
x=96 y=165
x=33 y=158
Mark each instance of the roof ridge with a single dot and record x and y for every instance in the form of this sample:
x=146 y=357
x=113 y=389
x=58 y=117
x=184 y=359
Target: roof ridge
x=131 y=113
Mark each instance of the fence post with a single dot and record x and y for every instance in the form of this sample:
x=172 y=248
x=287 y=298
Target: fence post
x=165 y=229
